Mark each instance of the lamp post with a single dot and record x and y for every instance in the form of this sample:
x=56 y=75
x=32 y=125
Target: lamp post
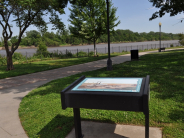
x=160 y=36
x=109 y=61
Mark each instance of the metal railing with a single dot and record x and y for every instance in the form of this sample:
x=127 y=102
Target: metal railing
x=118 y=49
x=89 y=52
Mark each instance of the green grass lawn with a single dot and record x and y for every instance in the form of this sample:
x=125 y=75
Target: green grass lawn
x=37 y=66
x=41 y=114
x=22 y=67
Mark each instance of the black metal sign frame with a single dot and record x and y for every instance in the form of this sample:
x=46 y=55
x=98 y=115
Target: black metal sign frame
x=124 y=101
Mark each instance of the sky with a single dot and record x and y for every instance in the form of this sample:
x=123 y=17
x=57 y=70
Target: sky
x=133 y=15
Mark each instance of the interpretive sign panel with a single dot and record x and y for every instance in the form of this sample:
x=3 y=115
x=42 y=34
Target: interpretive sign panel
x=110 y=84
x=125 y=94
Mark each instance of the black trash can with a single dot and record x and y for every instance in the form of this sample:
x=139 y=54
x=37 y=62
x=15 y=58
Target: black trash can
x=134 y=54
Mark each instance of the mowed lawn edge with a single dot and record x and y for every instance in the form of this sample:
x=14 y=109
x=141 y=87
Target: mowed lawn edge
x=41 y=114
x=24 y=68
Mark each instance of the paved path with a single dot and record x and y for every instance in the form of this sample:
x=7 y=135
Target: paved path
x=13 y=89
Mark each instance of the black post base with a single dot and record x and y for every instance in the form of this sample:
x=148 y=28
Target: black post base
x=146 y=124
x=77 y=123
x=109 y=64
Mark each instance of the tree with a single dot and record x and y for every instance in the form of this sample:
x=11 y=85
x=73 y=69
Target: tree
x=26 y=13
x=90 y=21
x=14 y=39
x=181 y=39
x=33 y=36
x=173 y=7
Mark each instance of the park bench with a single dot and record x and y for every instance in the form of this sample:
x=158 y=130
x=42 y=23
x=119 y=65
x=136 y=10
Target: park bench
x=163 y=48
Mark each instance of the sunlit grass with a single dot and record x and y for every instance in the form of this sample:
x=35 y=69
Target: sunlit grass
x=41 y=114
x=26 y=68
x=33 y=65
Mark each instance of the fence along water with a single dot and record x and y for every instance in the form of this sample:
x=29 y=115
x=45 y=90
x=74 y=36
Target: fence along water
x=89 y=52
x=120 y=49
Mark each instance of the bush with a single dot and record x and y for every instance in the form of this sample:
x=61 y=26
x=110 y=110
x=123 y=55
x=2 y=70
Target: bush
x=9 y=43
x=181 y=39
x=181 y=42
x=171 y=45
x=41 y=50
x=2 y=60
x=41 y=47
x=91 y=53
x=17 y=56
x=82 y=54
x=69 y=54
x=61 y=55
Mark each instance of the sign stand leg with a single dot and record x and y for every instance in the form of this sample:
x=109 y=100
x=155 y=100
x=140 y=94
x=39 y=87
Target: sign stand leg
x=146 y=124
x=77 y=123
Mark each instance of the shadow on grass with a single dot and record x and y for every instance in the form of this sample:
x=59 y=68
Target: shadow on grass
x=22 y=69
x=177 y=115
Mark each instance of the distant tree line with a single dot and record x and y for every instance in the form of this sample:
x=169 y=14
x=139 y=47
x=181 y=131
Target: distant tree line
x=33 y=37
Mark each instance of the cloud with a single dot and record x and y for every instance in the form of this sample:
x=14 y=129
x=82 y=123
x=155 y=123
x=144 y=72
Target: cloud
x=150 y=8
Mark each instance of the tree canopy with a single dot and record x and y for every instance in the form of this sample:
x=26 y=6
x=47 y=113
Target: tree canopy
x=90 y=21
x=26 y=13
x=173 y=7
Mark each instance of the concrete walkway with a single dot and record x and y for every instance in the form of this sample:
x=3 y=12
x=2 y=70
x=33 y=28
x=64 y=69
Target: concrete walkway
x=13 y=89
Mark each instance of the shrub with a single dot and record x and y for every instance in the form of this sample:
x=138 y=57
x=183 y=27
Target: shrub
x=69 y=54
x=171 y=45
x=181 y=39
x=42 y=47
x=181 y=42
x=91 y=53
x=2 y=60
x=61 y=55
x=82 y=54
x=17 y=56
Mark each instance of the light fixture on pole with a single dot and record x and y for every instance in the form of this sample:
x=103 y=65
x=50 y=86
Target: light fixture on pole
x=160 y=35
x=109 y=61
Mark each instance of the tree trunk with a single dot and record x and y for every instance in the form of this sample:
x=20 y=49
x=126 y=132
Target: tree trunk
x=94 y=49
x=9 y=61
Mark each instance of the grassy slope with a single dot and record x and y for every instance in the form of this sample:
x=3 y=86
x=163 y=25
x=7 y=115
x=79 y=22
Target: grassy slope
x=41 y=114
